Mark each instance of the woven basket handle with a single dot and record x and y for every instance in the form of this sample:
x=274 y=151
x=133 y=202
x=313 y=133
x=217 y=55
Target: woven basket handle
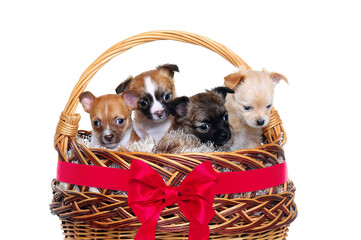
x=68 y=124
x=141 y=39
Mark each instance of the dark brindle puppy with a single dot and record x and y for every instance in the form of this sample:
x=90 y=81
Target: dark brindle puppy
x=203 y=115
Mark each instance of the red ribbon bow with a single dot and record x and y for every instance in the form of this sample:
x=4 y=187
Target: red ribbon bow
x=149 y=195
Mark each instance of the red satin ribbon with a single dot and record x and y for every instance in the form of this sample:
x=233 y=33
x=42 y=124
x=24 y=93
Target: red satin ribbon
x=148 y=195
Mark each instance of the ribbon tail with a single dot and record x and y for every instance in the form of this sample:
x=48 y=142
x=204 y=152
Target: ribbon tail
x=198 y=231
x=147 y=230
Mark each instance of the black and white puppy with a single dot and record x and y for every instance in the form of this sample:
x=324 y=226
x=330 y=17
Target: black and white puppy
x=203 y=116
x=155 y=88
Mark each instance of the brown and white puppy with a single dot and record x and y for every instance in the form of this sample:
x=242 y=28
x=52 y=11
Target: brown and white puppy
x=250 y=107
x=203 y=116
x=110 y=116
x=155 y=88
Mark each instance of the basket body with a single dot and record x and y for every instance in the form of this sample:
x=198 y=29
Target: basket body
x=104 y=211
x=84 y=231
x=87 y=213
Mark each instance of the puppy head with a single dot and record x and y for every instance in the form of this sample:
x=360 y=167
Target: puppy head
x=155 y=88
x=110 y=115
x=253 y=98
x=203 y=115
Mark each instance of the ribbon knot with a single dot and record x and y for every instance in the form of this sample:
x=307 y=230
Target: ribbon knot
x=149 y=195
x=171 y=195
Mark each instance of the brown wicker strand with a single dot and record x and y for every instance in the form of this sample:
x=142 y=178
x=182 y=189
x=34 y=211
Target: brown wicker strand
x=67 y=127
x=274 y=131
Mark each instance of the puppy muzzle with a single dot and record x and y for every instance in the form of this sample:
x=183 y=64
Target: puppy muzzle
x=221 y=137
x=258 y=123
x=110 y=139
x=160 y=115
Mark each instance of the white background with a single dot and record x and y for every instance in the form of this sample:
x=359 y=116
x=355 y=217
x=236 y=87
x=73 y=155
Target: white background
x=46 y=45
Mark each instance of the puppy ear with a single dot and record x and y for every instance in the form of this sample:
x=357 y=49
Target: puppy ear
x=131 y=98
x=124 y=85
x=232 y=80
x=178 y=106
x=276 y=77
x=223 y=91
x=87 y=100
x=169 y=69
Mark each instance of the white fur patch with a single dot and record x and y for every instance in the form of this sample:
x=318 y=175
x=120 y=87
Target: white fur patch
x=106 y=114
x=150 y=128
x=107 y=131
x=151 y=88
x=157 y=131
x=126 y=137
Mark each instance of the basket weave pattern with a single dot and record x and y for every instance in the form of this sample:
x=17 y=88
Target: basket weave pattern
x=86 y=232
x=106 y=215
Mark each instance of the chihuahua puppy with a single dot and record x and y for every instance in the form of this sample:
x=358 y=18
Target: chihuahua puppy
x=203 y=116
x=155 y=88
x=250 y=107
x=110 y=116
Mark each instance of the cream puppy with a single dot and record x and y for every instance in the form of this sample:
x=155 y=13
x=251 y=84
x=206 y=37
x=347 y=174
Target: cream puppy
x=250 y=106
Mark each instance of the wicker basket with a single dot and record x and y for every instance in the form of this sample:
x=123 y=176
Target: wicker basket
x=87 y=214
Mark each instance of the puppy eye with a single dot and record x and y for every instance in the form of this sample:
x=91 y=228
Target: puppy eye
x=204 y=127
x=269 y=106
x=143 y=103
x=120 y=121
x=225 y=117
x=96 y=123
x=247 y=108
x=166 y=97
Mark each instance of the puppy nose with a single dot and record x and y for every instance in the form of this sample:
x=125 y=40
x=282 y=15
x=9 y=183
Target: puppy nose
x=223 y=135
x=260 y=122
x=109 y=137
x=159 y=113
